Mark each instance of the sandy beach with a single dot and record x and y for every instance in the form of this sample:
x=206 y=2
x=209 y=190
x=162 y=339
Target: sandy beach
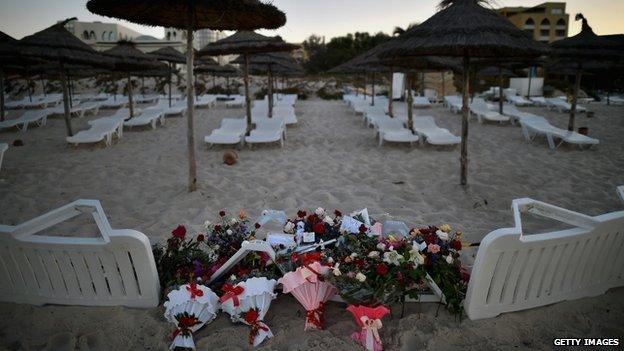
x=331 y=160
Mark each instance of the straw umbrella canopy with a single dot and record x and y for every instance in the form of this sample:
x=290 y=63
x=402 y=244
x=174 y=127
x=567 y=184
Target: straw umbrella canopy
x=583 y=47
x=246 y=43
x=172 y=57
x=269 y=61
x=192 y=15
x=129 y=59
x=226 y=71
x=466 y=29
x=58 y=45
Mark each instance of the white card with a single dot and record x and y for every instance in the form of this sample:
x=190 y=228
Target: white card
x=309 y=237
x=276 y=239
x=350 y=224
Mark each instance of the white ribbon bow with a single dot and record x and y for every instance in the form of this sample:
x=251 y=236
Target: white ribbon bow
x=372 y=327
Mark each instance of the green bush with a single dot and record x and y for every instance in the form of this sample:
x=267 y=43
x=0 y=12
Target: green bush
x=325 y=94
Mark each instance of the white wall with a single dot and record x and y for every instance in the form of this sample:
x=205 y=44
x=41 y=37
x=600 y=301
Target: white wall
x=522 y=86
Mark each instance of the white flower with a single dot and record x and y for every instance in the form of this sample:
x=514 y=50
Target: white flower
x=381 y=246
x=442 y=235
x=421 y=247
x=232 y=277
x=330 y=260
x=289 y=227
x=416 y=257
x=392 y=257
x=449 y=259
x=360 y=277
x=328 y=220
x=233 y=221
x=373 y=254
x=320 y=212
x=229 y=232
x=336 y=271
x=207 y=224
x=354 y=255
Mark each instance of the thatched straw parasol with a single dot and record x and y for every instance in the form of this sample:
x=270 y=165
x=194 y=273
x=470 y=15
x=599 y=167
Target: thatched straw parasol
x=269 y=61
x=464 y=28
x=129 y=59
x=585 y=46
x=58 y=45
x=192 y=15
x=246 y=43
x=172 y=57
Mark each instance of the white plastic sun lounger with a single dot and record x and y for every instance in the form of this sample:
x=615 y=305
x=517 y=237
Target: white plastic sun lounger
x=77 y=111
x=562 y=106
x=205 y=101
x=146 y=99
x=149 y=117
x=38 y=117
x=479 y=108
x=115 y=269
x=538 y=100
x=3 y=148
x=179 y=108
x=453 y=103
x=428 y=131
x=518 y=100
x=615 y=100
x=238 y=101
x=102 y=131
x=421 y=102
x=15 y=104
x=230 y=132
x=517 y=115
x=531 y=127
x=267 y=131
x=515 y=270
x=393 y=130
x=111 y=102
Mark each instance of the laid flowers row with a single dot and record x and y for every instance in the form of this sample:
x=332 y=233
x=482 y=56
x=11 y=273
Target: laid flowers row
x=317 y=256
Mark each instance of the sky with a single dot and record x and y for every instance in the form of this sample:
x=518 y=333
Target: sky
x=329 y=18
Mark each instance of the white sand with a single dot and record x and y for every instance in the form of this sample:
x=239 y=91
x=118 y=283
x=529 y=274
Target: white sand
x=329 y=160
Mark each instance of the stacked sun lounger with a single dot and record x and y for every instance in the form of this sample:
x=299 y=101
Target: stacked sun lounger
x=535 y=126
x=393 y=130
x=480 y=108
x=561 y=105
x=103 y=129
x=231 y=132
x=286 y=113
x=267 y=131
x=38 y=117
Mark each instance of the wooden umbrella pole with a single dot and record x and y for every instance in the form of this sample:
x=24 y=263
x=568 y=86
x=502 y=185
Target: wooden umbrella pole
x=270 y=91
x=1 y=95
x=28 y=90
x=577 y=87
x=130 y=100
x=247 y=98
x=190 y=107
x=43 y=88
x=443 y=86
x=391 y=93
x=70 y=87
x=529 y=88
x=365 y=85
x=373 y=91
x=410 y=104
x=500 y=89
x=357 y=91
x=422 y=83
x=170 y=80
x=65 y=99
x=465 y=113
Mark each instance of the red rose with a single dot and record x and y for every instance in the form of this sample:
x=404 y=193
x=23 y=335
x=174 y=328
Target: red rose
x=200 y=237
x=222 y=213
x=179 y=232
x=362 y=229
x=301 y=214
x=359 y=262
x=257 y=225
x=431 y=238
x=313 y=218
x=337 y=213
x=381 y=269
x=400 y=278
x=311 y=257
x=456 y=245
x=319 y=228
x=217 y=227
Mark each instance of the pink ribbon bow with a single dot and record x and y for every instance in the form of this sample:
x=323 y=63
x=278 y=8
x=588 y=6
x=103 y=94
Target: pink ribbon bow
x=372 y=327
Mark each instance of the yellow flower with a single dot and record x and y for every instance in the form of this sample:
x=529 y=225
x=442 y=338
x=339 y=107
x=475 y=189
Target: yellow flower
x=459 y=235
x=445 y=228
x=242 y=215
x=348 y=259
x=414 y=232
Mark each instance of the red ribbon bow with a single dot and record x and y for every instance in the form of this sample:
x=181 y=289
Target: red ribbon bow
x=195 y=292
x=185 y=323
x=251 y=317
x=311 y=257
x=315 y=319
x=231 y=292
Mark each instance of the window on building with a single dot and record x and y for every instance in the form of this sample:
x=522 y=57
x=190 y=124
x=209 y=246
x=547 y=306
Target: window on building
x=557 y=11
x=545 y=23
x=104 y=35
x=168 y=36
x=529 y=24
x=111 y=36
x=561 y=24
x=92 y=35
x=85 y=35
x=560 y=33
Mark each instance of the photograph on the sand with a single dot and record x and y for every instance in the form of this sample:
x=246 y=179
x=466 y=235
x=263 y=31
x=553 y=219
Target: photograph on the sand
x=311 y=175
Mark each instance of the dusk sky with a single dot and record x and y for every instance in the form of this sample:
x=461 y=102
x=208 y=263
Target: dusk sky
x=327 y=18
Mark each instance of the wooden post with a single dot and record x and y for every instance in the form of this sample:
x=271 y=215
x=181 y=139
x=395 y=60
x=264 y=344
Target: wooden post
x=65 y=100
x=1 y=95
x=171 y=67
x=500 y=89
x=443 y=85
x=465 y=114
x=190 y=100
x=130 y=100
x=577 y=87
x=43 y=87
x=270 y=90
x=410 y=103
x=28 y=89
x=247 y=98
x=227 y=82
x=365 y=85
x=422 y=83
x=530 y=78
x=373 y=91
x=391 y=93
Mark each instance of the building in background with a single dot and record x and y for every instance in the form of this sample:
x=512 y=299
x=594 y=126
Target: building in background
x=546 y=23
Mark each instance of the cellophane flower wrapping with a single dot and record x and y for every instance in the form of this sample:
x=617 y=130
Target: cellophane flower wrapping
x=189 y=308
x=250 y=304
x=369 y=321
x=307 y=284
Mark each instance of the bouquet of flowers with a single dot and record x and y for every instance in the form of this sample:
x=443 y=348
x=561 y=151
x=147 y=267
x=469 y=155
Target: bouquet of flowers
x=441 y=247
x=183 y=258
x=314 y=227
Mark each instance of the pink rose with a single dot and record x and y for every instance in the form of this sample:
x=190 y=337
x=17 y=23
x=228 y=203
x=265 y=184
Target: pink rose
x=433 y=248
